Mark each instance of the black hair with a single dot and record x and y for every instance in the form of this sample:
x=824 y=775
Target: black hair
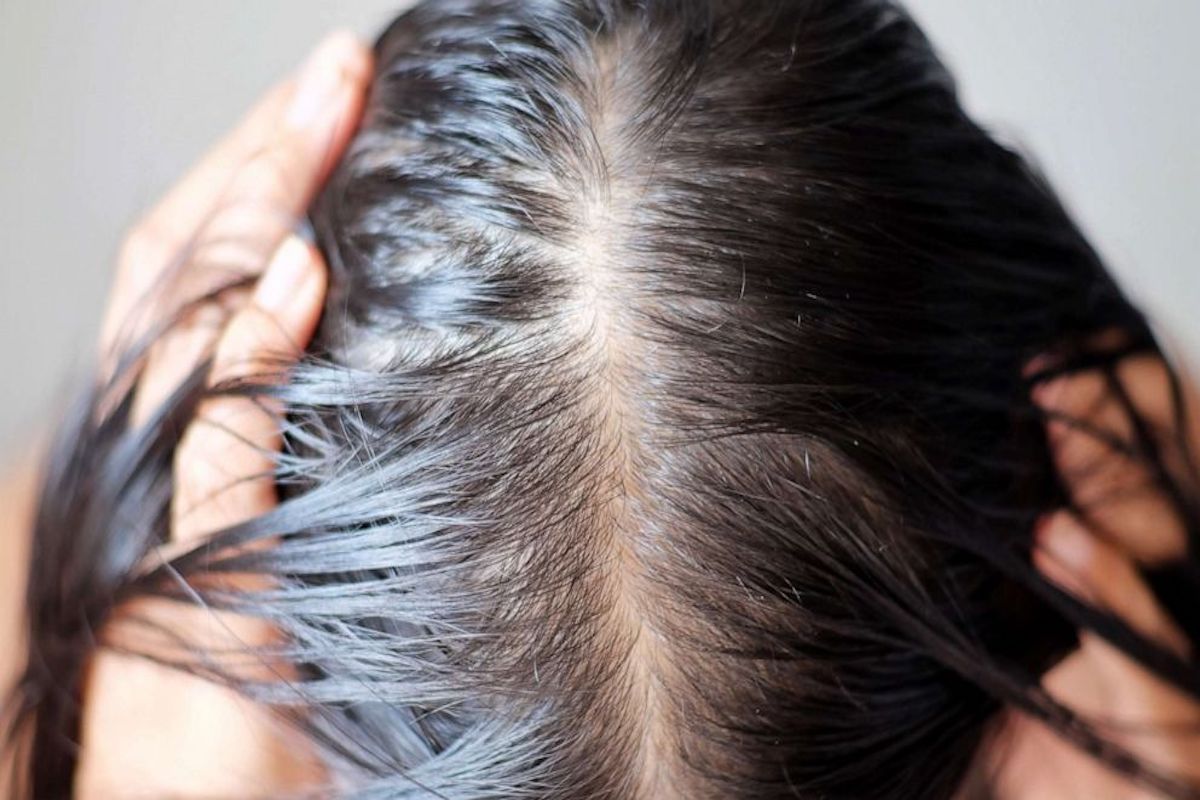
x=668 y=429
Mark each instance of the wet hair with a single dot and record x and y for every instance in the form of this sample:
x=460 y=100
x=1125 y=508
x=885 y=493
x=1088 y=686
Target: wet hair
x=668 y=431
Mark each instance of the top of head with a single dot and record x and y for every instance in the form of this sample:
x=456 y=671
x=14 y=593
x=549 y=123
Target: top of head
x=681 y=328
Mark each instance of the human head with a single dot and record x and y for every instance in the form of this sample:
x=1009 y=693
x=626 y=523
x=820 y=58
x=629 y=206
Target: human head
x=668 y=430
x=706 y=322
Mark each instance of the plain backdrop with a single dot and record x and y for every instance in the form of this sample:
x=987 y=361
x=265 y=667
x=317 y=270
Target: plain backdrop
x=103 y=103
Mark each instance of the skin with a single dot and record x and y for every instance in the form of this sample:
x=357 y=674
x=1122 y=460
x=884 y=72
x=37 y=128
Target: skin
x=1097 y=556
x=17 y=493
x=149 y=731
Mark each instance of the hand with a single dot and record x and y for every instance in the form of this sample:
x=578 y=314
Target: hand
x=1127 y=523
x=149 y=730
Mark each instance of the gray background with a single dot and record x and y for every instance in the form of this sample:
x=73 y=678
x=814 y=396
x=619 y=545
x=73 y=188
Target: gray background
x=104 y=102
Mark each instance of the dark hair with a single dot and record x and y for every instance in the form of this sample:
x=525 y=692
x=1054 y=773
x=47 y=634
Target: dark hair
x=667 y=426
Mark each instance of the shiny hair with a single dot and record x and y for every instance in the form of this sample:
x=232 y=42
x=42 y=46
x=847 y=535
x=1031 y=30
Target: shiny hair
x=668 y=428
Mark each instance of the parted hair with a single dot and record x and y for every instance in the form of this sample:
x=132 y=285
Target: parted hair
x=668 y=430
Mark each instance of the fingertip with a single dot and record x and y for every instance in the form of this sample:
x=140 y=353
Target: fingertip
x=344 y=43
x=1097 y=572
x=339 y=62
x=355 y=57
x=281 y=317
x=343 y=52
x=1064 y=540
x=1047 y=394
x=295 y=277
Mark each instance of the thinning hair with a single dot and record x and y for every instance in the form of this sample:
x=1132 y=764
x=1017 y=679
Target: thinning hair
x=667 y=432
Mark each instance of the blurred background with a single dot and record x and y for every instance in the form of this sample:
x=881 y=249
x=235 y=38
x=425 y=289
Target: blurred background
x=103 y=103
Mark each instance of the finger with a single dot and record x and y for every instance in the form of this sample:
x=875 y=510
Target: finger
x=224 y=464
x=1094 y=445
x=1156 y=721
x=152 y=732
x=1127 y=705
x=260 y=205
x=268 y=192
x=1097 y=572
x=1173 y=419
x=249 y=191
x=255 y=755
x=168 y=227
x=179 y=353
x=186 y=206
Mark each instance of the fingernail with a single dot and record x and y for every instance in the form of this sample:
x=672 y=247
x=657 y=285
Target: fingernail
x=321 y=79
x=285 y=275
x=1067 y=542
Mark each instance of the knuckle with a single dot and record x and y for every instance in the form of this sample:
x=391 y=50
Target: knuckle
x=252 y=341
x=239 y=343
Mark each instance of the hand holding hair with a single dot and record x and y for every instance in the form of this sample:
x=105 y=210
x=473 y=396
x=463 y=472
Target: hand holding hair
x=148 y=729
x=1122 y=525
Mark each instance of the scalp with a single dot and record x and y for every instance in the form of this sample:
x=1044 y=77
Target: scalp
x=624 y=274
